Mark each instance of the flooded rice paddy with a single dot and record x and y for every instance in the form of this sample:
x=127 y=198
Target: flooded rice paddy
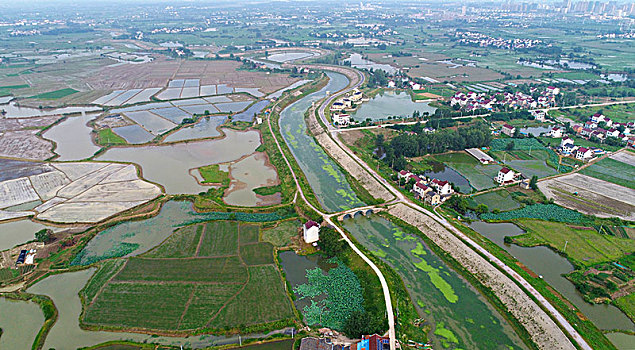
x=73 y=138
x=207 y=127
x=359 y=62
x=15 y=111
x=18 y=332
x=289 y=56
x=250 y=173
x=459 y=316
x=442 y=172
x=324 y=175
x=551 y=266
x=169 y=165
x=390 y=104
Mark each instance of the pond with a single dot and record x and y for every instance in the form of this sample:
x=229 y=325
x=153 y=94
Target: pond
x=14 y=111
x=622 y=341
x=18 y=332
x=73 y=138
x=205 y=128
x=357 y=61
x=169 y=165
x=390 y=104
x=250 y=173
x=534 y=130
x=63 y=289
x=571 y=64
x=133 y=134
x=248 y=115
x=442 y=172
x=324 y=175
x=295 y=267
x=551 y=266
x=289 y=56
x=18 y=232
x=459 y=315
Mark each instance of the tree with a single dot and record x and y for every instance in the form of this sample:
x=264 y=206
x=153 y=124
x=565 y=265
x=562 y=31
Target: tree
x=510 y=146
x=533 y=183
x=482 y=208
x=43 y=235
x=331 y=242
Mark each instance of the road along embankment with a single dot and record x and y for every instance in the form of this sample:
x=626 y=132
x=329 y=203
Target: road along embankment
x=543 y=330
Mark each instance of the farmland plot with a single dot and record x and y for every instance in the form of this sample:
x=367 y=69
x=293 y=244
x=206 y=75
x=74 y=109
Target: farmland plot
x=198 y=277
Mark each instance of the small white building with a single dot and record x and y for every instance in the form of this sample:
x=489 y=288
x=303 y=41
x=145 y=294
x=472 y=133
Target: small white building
x=556 y=132
x=583 y=153
x=566 y=145
x=505 y=175
x=311 y=232
x=508 y=130
x=420 y=189
x=341 y=119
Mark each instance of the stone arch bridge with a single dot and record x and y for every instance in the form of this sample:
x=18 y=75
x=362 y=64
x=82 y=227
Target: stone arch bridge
x=365 y=211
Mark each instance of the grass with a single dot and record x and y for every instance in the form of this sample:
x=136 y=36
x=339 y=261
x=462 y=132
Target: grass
x=7 y=89
x=221 y=238
x=530 y=164
x=613 y=171
x=257 y=254
x=281 y=234
x=54 y=95
x=267 y=190
x=108 y=137
x=501 y=200
x=585 y=247
x=627 y=305
x=181 y=244
x=213 y=175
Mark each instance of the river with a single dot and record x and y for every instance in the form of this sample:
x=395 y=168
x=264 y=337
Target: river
x=324 y=175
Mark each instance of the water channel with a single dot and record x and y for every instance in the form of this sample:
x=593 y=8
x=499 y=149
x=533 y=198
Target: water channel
x=459 y=315
x=72 y=138
x=551 y=266
x=15 y=111
x=324 y=175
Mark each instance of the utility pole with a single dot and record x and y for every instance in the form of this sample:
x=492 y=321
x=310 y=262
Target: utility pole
x=565 y=246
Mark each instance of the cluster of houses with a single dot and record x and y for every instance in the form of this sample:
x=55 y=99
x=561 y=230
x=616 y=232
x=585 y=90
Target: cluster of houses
x=568 y=148
x=591 y=129
x=431 y=191
x=348 y=102
x=482 y=40
x=505 y=100
x=367 y=342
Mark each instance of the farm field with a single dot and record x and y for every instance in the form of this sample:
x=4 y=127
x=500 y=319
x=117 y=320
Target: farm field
x=618 y=169
x=209 y=275
x=501 y=200
x=528 y=163
x=585 y=245
x=591 y=195
x=280 y=235
x=480 y=176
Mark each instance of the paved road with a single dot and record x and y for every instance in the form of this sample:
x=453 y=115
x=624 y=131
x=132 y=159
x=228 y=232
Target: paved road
x=519 y=279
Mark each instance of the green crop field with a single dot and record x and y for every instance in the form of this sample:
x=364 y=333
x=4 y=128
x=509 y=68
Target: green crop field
x=627 y=304
x=480 y=176
x=280 y=236
x=221 y=238
x=181 y=244
x=547 y=212
x=612 y=170
x=54 y=95
x=212 y=174
x=173 y=288
x=501 y=200
x=249 y=234
x=108 y=137
x=585 y=246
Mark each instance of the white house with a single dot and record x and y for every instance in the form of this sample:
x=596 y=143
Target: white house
x=612 y=133
x=583 y=153
x=508 y=130
x=552 y=90
x=420 y=189
x=505 y=175
x=539 y=115
x=311 y=232
x=442 y=187
x=341 y=119
x=556 y=131
x=566 y=145
x=404 y=174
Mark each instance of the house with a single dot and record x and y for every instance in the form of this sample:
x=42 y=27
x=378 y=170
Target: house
x=613 y=132
x=566 y=145
x=443 y=187
x=524 y=184
x=556 y=132
x=505 y=175
x=372 y=342
x=508 y=130
x=577 y=128
x=590 y=124
x=311 y=232
x=258 y=120
x=356 y=96
x=420 y=189
x=583 y=153
x=391 y=84
x=404 y=174
x=551 y=90
x=341 y=119
x=432 y=198
x=337 y=106
x=586 y=132
x=539 y=115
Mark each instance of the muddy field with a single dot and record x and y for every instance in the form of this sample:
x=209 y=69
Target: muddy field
x=161 y=70
x=25 y=144
x=591 y=196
